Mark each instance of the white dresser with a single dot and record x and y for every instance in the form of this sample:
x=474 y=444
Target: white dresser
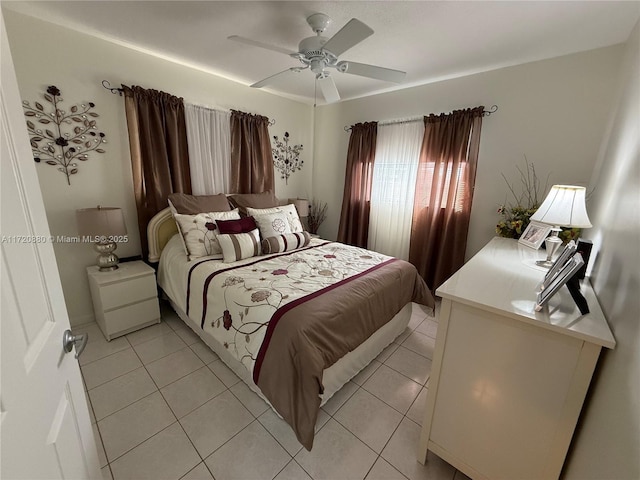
x=508 y=383
x=125 y=299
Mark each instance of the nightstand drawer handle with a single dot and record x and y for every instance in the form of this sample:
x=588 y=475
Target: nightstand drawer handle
x=69 y=340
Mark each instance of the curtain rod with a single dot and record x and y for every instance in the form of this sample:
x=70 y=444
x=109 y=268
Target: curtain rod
x=114 y=90
x=272 y=121
x=382 y=123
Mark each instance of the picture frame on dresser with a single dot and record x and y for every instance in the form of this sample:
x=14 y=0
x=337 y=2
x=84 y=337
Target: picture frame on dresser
x=565 y=255
x=568 y=270
x=534 y=234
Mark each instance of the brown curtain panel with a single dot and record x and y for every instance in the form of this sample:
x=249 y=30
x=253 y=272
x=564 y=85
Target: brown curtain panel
x=251 y=159
x=159 y=152
x=356 y=200
x=444 y=191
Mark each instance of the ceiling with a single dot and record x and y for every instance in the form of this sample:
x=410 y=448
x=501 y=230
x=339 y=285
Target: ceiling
x=429 y=40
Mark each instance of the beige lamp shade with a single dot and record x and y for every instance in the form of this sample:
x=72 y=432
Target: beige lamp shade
x=564 y=206
x=101 y=221
x=302 y=206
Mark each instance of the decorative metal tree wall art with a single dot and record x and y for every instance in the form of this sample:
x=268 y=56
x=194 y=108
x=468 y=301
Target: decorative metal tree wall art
x=286 y=158
x=59 y=138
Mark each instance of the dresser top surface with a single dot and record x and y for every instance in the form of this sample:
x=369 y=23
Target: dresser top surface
x=503 y=277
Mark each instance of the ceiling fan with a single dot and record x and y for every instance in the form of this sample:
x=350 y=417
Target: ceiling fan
x=320 y=53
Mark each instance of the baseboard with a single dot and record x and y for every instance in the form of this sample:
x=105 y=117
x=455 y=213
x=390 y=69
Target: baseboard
x=78 y=320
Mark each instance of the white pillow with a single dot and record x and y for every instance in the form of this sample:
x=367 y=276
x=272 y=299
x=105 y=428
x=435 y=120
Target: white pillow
x=272 y=224
x=289 y=210
x=200 y=232
x=237 y=246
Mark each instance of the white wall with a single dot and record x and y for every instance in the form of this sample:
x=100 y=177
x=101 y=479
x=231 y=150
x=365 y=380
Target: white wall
x=608 y=438
x=552 y=111
x=45 y=54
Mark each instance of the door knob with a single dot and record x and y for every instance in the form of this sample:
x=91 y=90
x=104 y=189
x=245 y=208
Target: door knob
x=69 y=340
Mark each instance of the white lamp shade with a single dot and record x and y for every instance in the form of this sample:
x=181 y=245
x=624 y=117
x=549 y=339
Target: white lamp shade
x=101 y=221
x=564 y=206
x=302 y=206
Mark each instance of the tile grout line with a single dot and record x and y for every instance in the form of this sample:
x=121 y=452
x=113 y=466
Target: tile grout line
x=109 y=462
x=142 y=364
x=202 y=460
x=378 y=455
x=391 y=406
x=163 y=399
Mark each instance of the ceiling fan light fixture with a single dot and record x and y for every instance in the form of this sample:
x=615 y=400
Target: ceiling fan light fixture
x=317 y=66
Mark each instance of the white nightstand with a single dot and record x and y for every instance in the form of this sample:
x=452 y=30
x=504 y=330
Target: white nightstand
x=125 y=299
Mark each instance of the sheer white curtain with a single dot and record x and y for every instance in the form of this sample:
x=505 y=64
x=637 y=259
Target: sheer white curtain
x=209 y=139
x=393 y=187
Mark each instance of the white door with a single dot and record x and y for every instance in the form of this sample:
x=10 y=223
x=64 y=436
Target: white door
x=44 y=419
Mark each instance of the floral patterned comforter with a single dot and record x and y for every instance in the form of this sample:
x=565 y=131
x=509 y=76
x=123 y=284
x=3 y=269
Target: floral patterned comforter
x=235 y=303
x=288 y=317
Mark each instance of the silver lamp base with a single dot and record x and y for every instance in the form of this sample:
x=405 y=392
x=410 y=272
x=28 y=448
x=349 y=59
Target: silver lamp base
x=107 y=260
x=552 y=244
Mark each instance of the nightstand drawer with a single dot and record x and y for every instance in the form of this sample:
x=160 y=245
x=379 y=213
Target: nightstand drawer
x=131 y=291
x=127 y=319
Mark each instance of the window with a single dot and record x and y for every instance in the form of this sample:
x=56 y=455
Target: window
x=460 y=185
x=393 y=187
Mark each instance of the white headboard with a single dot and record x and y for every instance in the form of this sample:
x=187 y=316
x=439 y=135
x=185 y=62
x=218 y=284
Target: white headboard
x=159 y=231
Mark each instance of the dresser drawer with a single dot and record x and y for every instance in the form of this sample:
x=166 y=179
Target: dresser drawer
x=127 y=292
x=127 y=319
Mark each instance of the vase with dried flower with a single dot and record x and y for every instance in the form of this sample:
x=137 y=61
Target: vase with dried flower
x=516 y=214
x=317 y=215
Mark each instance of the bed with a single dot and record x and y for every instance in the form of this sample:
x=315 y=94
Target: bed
x=294 y=326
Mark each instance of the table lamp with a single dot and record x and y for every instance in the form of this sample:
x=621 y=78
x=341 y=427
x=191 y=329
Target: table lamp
x=302 y=206
x=564 y=206
x=103 y=225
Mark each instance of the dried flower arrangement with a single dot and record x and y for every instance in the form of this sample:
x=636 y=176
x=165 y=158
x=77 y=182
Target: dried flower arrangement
x=516 y=216
x=286 y=158
x=54 y=147
x=317 y=215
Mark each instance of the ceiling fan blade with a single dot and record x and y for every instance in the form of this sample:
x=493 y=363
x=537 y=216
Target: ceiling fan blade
x=269 y=80
x=351 y=34
x=329 y=90
x=371 y=71
x=255 y=43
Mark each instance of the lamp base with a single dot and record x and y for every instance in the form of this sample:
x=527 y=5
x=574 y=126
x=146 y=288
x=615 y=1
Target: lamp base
x=107 y=260
x=551 y=243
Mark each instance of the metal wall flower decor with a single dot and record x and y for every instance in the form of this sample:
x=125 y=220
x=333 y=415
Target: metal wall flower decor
x=71 y=137
x=286 y=158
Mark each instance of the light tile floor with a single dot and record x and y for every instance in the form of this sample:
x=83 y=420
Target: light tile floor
x=165 y=407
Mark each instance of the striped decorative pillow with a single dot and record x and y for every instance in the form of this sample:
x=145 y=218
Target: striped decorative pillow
x=240 y=245
x=285 y=243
